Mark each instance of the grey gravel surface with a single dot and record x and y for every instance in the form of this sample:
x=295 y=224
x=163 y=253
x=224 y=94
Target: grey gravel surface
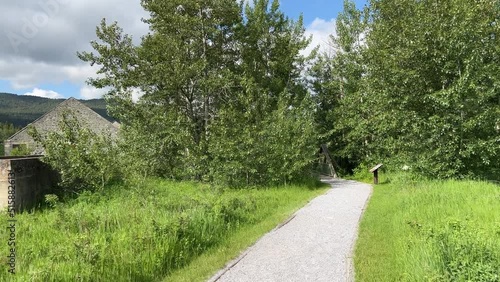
x=315 y=245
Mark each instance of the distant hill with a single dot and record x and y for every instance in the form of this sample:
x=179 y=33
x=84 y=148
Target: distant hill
x=20 y=110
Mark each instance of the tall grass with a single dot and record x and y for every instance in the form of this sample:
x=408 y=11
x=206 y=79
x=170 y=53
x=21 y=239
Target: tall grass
x=138 y=234
x=423 y=230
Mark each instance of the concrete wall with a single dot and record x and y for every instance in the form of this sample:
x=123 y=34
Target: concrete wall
x=32 y=179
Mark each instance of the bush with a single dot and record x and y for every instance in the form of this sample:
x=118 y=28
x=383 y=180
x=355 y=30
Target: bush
x=278 y=149
x=466 y=254
x=21 y=150
x=85 y=160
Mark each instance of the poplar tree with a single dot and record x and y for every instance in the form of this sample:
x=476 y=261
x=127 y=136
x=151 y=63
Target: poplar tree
x=434 y=66
x=344 y=113
x=224 y=98
x=182 y=67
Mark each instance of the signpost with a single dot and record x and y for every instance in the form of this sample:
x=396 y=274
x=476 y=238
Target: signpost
x=374 y=170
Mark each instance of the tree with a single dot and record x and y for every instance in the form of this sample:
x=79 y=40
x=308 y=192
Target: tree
x=84 y=159
x=266 y=133
x=344 y=115
x=6 y=130
x=434 y=66
x=421 y=89
x=181 y=68
x=205 y=70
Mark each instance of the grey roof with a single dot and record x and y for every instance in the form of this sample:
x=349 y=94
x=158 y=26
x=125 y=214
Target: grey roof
x=49 y=122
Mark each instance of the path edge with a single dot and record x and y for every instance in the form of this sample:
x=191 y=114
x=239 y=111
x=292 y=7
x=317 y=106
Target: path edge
x=351 y=275
x=235 y=261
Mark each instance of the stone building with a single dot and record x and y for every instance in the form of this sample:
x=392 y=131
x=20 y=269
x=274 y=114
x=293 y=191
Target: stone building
x=50 y=123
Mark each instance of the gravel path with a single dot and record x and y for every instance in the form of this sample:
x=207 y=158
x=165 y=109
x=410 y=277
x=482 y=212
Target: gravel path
x=315 y=245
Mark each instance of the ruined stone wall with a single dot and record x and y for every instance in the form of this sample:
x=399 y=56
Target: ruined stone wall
x=30 y=178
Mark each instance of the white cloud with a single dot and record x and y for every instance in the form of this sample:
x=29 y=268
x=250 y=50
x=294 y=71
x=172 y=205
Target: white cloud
x=39 y=39
x=320 y=30
x=79 y=73
x=44 y=93
x=89 y=92
x=136 y=94
x=25 y=73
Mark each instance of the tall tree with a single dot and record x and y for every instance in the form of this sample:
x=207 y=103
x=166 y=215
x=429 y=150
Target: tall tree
x=435 y=67
x=181 y=68
x=209 y=77
x=421 y=88
x=270 y=50
x=266 y=133
x=343 y=112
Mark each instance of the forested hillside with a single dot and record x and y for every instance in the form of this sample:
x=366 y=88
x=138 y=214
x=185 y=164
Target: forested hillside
x=6 y=130
x=20 y=110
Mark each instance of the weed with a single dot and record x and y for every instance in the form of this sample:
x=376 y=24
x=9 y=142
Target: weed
x=428 y=230
x=141 y=233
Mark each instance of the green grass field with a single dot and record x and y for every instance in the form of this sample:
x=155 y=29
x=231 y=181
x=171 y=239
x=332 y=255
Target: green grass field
x=421 y=230
x=159 y=231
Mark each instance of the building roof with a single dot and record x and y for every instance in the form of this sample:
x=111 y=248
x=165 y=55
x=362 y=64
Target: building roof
x=49 y=122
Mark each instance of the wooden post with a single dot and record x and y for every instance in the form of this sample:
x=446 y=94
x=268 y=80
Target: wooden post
x=329 y=159
x=374 y=170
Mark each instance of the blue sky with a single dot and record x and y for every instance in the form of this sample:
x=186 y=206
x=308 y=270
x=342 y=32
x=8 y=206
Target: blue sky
x=39 y=39
x=312 y=9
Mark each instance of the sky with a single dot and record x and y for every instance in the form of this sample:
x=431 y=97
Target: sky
x=39 y=39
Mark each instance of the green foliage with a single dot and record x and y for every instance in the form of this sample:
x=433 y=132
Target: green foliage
x=51 y=200
x=85 y=160
x=142 y=233
x=466 y=255
x=224 y=75
x=278 y=149
x=159 y=152
x=423 y=89
x=344 y=115
x=427 y=230
x=6 y=130
x=21 y=150
x=434 y=84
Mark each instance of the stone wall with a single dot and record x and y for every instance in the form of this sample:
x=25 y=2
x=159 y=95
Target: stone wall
x=30 y=177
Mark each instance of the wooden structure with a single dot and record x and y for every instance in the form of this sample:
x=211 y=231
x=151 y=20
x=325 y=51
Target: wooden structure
x=329 y=161
x=374 y=170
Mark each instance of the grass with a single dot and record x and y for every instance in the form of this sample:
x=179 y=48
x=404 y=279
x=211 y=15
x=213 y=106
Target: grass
x=160 y=231
x=422 y=230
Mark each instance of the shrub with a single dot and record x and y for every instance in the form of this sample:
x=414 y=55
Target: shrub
x=21 y=150
x=250 y=150
x=466 y=254
x=84 y=159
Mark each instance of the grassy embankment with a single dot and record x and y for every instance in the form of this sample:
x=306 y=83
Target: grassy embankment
x=159 y=231
x=422 y=230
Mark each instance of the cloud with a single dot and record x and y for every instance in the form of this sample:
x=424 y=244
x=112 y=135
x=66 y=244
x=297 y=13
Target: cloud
x=44 y=93
x=53 y=30
x=89 y=92
x=320 y=30
x=39 y=39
